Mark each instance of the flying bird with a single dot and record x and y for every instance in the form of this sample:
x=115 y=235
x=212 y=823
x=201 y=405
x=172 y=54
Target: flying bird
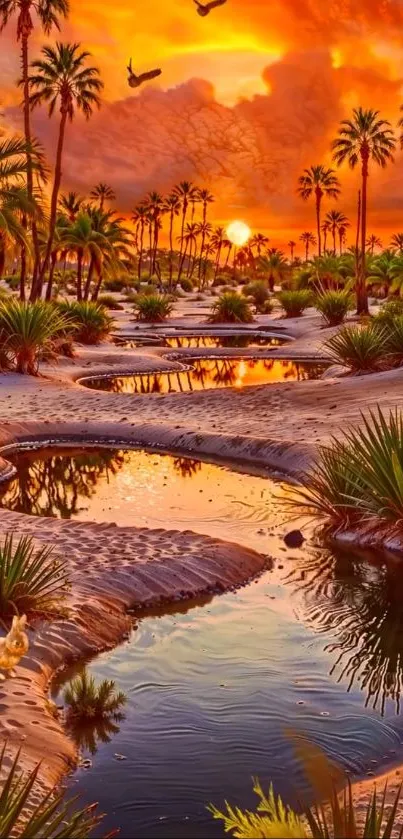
x=136 y=81
x=204 y=9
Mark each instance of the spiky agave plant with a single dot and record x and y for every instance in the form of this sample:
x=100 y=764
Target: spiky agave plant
x=360 y=348
x=295 y=302
x=50 y=817
x=32 y=580
x=153 y=308
x=230 y=307
x=29 y=329
x=87 y=701
x=92 y=323
x=338 y=818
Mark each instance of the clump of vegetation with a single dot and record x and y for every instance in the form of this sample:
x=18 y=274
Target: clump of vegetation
x=31 y=579
x=294 y=302
x=338 y=818
x=360 y=348
x=153 y=308
x=92 y=323
x=334 y=305
x=88 y=701
x=358 y=478
x=186 y=284
x=390 y=310
x=231 y=307
x=117 y=283
x=28 y=330
x=259 y=292
x=110 y=302
x=394 y=341
x=26 y=811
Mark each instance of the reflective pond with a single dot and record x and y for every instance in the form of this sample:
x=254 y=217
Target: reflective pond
x=209 y=373
x=195 y=341
x=314 y=646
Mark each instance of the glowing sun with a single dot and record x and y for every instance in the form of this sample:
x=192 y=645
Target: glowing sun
x=238 y=233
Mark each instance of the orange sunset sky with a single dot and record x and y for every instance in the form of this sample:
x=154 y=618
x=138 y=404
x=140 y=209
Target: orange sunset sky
x=248 y=97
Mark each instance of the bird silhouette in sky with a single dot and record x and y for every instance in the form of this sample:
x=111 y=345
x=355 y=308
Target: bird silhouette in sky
x=204 y=9
x=136 y=81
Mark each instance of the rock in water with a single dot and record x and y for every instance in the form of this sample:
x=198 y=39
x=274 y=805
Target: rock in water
x=294 y=539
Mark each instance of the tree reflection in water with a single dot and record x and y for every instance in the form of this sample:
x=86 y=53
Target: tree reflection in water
x=359 y=600
x=54 y=484
x=186 y=467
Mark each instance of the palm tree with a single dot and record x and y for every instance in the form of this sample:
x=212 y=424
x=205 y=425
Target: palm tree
x=186 y=243
x=373 y=242
x=383 y=268
x=342 y=231
x=140 y=218
x=205 y=197
x=47 y=13
x=204 y=229
x=62 y=78
x=318 y=181
x=258 y=241
x=186 y=192
x=397 y=241
x=154 y=202
x=335 y=219
x=102 y=192
x=292 y=245
x=86 y=242
x=362 y=139
x=275 y=265
x=14 y=199
x=308 y=239
x=171 y=206
x=325 y=228
x=218 y=238
x=71 y=205
x=114 y=247
x=60 y=248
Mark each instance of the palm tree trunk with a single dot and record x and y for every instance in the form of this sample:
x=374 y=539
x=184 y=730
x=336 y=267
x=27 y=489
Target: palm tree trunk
x=334 y=239
x=318 y=194
x=53 y=205
x=306 y=252
x=324 y=240
x=23 y=274
x=171 y=246
x=362 y=297
x=27 y=133
x=2 y=255
x=52 y=267
x=139 y=267
x=184 y=211
x=89 y=278
x=228 y=255
x=79 y=275
x=150 y=239
x=217 y=262
x=97 y=287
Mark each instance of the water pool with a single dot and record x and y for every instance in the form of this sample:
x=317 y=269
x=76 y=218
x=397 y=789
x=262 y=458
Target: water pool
x=314 y=645
x=236 y=341
x=209 y=373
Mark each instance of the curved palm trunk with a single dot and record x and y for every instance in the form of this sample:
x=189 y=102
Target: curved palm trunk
x=97 y=287
x=318 y=196
x=53 y=260
x=79 y=274
x=53 y=206
x=228 y=255
x=362 y=297
x=30 y=184
x=91 y=268
x=23 y=261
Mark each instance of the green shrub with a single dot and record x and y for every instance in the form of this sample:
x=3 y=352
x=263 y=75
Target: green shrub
x=31 y=580
x=117 y=283
x=186 y=284
x=153 y=308
x=294 y=302
x=13 y=282
x=110 y=302
x=26 y=812
x=28 y=330
x=390 y=310
x=230 y=307
x=259 y=292
x=360 y=348
x=337 y=818
x=360 y=477
x=92 y=324
x=334 y=306
x=87 y=701
x=394 y=341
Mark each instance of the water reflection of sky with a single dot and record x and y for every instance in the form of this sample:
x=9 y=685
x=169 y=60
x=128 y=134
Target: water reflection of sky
x=314 y=645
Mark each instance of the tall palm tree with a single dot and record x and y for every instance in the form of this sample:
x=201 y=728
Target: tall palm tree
x=102 y=192
x=218 y=239
x=364 y=138
x=140 y=218
x=86 y=242
x=191 y=231
x=62 y=78
x=308 y=239
x=258 y=241
x=171 y=207
x=335 y=219
x=71 y=204
x=155 y=202
x=204 y=230
x=292 y=245
x=14 y=199
x=47 y=13
x=186 y=192
x=113 y=246
x=397 y=241
x=325 y=228
x=186 y=243
x=319 y=182
x=342 y=231
x=205 y=197
x=275 y=265
x=373 y=242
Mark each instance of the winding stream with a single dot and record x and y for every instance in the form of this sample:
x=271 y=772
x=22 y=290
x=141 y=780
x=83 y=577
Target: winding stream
x=213 y=688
